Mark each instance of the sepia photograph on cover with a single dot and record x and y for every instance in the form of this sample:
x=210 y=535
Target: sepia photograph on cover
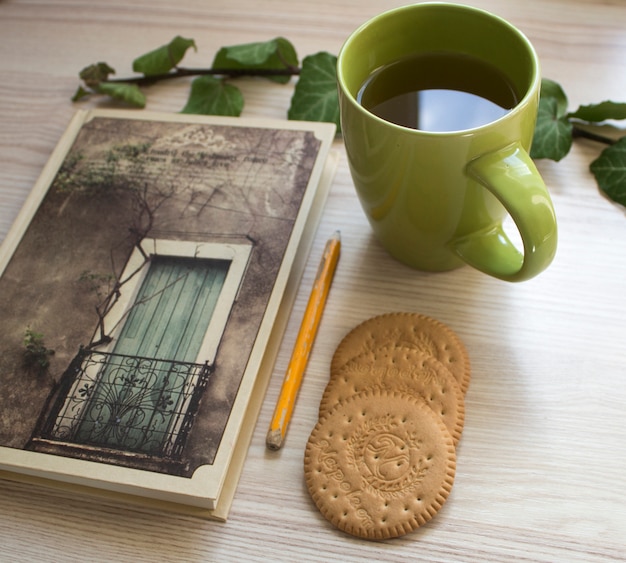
x=131 y=304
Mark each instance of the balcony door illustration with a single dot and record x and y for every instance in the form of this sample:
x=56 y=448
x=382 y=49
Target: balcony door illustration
x=141 y=391
x=139 y=394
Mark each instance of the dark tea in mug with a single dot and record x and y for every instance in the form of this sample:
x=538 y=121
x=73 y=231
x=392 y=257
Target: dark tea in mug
x=438 y=92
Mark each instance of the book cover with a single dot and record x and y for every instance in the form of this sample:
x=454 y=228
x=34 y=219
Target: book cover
x=144 y=288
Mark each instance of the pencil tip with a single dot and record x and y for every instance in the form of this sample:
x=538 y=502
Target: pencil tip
x=274 y=440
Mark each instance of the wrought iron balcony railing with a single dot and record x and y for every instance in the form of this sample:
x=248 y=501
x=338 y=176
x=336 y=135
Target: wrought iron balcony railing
x=127 y=403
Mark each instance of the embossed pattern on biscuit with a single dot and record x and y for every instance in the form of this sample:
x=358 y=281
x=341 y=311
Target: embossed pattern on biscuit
x=404 y=369
x=379 y=464
x=413 y=330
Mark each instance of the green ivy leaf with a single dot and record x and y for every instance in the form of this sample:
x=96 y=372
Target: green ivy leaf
x=609 y=170
x=277 y=53
x=315 y=95
x=93 y=74
x=213 y=96
x=129 y=93
x=552 y=89
x=553 y=133
x=597 y=113
x=164 y=58
x=80 y=94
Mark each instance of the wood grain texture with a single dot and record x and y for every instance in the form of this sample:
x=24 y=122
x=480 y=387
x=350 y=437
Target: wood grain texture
x=541 y=464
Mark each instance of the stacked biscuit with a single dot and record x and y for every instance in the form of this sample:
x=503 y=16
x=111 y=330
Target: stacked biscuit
x=381 y=460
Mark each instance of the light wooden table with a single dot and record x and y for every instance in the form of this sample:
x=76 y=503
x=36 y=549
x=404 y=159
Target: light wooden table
x=542 y=463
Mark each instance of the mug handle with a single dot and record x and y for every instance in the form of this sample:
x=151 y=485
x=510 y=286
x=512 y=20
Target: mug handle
x=511 y=175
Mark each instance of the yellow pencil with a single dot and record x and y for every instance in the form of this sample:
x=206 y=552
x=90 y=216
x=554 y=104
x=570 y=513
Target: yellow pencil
x=304 y=343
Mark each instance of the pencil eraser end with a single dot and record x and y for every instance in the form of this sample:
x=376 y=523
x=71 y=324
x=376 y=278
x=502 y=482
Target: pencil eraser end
x=274 y=440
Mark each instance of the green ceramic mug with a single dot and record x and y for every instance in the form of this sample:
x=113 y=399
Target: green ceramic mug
x=437 y=200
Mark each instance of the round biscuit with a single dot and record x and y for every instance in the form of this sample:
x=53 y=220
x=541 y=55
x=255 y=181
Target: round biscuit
x=409 y=330
x=379 y=464
x=403 y=369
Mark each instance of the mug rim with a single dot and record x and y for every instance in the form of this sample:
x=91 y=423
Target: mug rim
x=532 y=90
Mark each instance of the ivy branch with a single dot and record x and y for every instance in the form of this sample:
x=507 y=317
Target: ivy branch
x=557 y=128
x=212 y=91
x=315 y=97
